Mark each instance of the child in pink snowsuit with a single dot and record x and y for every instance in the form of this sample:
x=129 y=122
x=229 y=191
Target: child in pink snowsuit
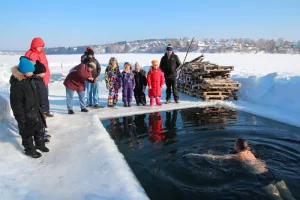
x=155 y=80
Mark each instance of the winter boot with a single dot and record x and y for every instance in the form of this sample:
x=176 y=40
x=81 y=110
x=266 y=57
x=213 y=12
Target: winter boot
x=40 y=142
x=177 y=101
x=97 y=106
x=70 y=112
x=129 y=104
x=125 y=105
x=151 y=101
x=168 y=101
x=84 y=110
x=158 y=101
x=137 y=101
x=33 y=153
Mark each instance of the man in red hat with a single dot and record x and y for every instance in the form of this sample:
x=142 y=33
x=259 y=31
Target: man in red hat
x=84 y=56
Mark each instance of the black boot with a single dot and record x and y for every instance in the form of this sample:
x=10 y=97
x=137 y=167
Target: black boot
x=40 y=142
x=33 y=153
x=125 y=105
x=84 y=110
x=70 y=112
x=129 y=104
x=143 y=100
x=27 y=142
x=137 y=101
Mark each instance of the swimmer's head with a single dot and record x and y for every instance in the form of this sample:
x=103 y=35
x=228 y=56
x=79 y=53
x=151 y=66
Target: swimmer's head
x=241 y=145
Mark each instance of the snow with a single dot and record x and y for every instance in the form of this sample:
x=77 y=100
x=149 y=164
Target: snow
x=84 y=163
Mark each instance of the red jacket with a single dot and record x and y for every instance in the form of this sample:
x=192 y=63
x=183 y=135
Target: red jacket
x=155 y=80
x=77 y=77
x=156 y=131
x=35 y=55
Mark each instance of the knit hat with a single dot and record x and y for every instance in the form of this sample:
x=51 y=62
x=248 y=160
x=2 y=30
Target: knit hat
x=25 y=65
x=113 y=59
x=89 y=48
x=154 y=62
x=169 y=48
x=92 y=65
x=39 y=68
x=90 y=52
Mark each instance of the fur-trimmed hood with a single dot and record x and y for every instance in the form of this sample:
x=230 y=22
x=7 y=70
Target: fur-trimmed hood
x=17 y=74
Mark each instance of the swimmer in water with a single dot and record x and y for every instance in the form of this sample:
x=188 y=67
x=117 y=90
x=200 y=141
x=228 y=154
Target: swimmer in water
x=274 y=188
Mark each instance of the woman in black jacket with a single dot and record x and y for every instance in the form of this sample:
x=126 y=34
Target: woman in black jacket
x=24 y=101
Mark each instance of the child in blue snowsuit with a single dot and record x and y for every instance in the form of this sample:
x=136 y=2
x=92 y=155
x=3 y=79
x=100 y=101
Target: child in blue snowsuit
x=127 y=83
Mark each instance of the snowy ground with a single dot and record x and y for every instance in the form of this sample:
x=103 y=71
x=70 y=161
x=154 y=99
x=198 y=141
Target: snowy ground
x=84 y=162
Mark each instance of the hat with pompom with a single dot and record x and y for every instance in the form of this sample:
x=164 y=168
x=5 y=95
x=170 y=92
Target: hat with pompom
x=169 y=48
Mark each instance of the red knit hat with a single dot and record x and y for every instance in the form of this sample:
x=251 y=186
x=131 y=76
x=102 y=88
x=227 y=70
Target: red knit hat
x=89 y=48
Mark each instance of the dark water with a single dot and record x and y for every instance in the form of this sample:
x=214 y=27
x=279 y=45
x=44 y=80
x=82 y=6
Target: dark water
x=153 y=145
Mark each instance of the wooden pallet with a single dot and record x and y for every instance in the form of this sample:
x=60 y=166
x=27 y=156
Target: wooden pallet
x=210 y=68
x=215 y=97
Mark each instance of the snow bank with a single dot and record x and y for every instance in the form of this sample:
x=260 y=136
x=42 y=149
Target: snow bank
x=269 y=93
x=5 y=109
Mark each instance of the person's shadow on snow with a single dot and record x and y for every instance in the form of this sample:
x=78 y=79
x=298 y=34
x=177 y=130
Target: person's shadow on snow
x=9 y=134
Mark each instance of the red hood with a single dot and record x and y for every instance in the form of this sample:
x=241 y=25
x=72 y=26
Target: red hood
x=37 y=42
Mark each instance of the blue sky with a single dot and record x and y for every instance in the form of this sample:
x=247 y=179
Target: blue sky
x=73 y=22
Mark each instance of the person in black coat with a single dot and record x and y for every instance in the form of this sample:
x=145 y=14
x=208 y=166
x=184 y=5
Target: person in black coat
x=39 y=73
x=140 y=85
x=24 y=101
x=169 y=64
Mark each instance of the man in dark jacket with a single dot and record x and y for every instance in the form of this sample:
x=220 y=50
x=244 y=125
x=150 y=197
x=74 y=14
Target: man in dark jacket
x=169 y=64
x=84 y=56
x=140 y=85
x=24 y=102
x=93 y=88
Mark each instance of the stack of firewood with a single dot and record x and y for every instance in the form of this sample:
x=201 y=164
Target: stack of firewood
x=207 y=80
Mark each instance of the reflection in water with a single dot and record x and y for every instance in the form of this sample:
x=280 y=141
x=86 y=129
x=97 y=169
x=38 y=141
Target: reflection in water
x=132 y=130
x=210 y=118
x=156 y=131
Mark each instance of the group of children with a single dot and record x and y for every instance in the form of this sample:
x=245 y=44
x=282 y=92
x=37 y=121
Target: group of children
x=133 y=81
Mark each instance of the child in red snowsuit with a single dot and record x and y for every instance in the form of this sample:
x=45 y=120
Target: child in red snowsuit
x=155 y=80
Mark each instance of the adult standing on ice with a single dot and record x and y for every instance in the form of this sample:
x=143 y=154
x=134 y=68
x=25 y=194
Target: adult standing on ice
x=92 y=88
x=75 y=81
x=169 y=64
x=36 y=53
